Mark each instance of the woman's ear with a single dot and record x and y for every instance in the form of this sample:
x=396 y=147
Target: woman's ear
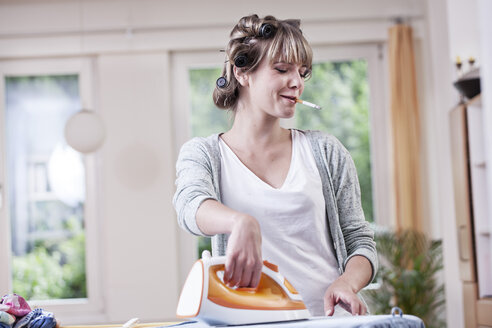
x=241 y=76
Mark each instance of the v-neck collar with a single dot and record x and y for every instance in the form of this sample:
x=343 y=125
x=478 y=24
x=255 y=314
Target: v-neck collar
x=251 y=173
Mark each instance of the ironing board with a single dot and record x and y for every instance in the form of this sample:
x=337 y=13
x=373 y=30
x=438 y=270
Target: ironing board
x=398 y=320
x=375 y=321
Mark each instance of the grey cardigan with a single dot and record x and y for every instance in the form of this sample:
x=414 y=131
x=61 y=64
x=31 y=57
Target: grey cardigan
x=198 y=177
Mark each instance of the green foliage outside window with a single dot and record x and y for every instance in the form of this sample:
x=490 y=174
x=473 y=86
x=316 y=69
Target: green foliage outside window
x=342 y=89
x=53 y=270
x=206 y=119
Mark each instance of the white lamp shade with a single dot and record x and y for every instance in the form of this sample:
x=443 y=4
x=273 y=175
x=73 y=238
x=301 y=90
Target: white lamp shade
x=85 y=131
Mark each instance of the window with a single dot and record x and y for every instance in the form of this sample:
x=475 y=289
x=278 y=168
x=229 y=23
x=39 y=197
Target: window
x=206 y=119
x=48 y=238
x=46 y=188
x=347 y=82
x=342 y=89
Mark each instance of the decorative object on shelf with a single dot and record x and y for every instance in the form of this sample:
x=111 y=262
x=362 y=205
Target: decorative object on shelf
x=471 y=61
x=85 y=131
x=459 y=65
x=468 y=84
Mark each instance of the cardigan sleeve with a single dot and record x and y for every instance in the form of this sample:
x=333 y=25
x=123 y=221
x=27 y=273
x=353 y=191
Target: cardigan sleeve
x=357 y=234
x=194 y=183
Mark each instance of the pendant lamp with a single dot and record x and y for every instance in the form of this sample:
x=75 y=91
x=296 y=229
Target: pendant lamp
x=85 y=132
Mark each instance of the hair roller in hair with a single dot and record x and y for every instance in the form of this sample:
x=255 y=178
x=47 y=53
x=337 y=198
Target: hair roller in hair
x=221 y=82
x=241 y=61
x=266 y=30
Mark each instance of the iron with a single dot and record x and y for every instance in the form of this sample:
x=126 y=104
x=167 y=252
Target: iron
x=207 y=298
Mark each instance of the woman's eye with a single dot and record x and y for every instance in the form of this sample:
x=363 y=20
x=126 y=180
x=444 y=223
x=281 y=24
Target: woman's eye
x=305 y=74
x=281 y=70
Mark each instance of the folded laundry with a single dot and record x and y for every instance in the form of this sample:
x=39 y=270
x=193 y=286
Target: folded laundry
x=15 y=304
x=24 y=321
x=37 y=318
x=6 y=318
x=4 y=325
x=43 y=322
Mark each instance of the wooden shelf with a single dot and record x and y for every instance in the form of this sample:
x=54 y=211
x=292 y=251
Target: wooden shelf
x=471 y=208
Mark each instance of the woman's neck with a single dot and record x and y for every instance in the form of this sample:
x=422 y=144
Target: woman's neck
x=255 y=129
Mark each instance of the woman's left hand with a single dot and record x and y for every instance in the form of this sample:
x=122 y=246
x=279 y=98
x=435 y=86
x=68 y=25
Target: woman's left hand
x=343 y=291
x=340 y=292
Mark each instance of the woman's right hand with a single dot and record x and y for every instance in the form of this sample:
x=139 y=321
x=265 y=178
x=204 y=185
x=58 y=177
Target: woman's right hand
x=243 y=255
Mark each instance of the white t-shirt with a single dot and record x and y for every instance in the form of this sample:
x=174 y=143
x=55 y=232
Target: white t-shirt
x=292 y=219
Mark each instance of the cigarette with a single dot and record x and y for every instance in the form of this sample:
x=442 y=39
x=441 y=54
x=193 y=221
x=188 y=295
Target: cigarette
x=307 y=103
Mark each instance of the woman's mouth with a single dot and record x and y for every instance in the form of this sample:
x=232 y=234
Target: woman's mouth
x=292 y=99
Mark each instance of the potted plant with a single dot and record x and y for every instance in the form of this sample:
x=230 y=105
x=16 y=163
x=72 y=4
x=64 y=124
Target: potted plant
x=407 y=278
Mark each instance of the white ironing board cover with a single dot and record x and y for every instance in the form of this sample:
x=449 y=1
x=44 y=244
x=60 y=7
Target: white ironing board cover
x=366 y=321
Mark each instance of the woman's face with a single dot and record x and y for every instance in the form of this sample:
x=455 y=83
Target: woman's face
x=273 y=88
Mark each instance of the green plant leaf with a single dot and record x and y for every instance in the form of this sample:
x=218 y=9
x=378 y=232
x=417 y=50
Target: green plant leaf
x=409 y=262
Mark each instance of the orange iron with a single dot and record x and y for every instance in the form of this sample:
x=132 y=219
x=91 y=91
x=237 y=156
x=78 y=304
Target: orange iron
x=206 y=297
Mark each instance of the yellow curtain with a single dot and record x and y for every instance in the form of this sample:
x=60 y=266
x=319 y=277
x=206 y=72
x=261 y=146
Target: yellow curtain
x=406 y=128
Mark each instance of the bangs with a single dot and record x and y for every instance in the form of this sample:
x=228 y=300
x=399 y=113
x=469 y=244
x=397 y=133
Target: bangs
x=290 y=46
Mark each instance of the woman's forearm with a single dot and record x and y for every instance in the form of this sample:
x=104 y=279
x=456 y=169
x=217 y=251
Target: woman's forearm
x=243 y=256
x=212 y=217
x=358 y=273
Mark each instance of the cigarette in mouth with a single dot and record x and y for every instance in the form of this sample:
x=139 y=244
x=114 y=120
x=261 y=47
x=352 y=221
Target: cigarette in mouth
x=307 y=103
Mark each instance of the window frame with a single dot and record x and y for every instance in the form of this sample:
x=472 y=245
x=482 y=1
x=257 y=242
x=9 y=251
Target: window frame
x=379 y=124
x=181 y=63
x=380 y=127
x=64 y=308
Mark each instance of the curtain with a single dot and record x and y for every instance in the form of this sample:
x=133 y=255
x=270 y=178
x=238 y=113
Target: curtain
x=406 y=128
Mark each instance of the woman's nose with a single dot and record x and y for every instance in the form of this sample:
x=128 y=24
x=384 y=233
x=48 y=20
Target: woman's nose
x=296 y=81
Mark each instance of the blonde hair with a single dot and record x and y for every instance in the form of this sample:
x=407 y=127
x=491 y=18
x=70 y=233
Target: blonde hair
x=286 y=44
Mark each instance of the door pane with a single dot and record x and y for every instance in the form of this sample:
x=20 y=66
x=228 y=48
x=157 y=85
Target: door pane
x=206 y=119
x=342 y=89
x=46 y=187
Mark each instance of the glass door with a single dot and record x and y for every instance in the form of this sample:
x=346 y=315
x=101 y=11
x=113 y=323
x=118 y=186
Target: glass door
x=347 y=82
x=46 y=188
x=48 y=250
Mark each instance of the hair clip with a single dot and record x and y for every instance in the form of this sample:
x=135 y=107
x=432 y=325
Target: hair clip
x=241 y=61
x=221 y=82
x=266 y=30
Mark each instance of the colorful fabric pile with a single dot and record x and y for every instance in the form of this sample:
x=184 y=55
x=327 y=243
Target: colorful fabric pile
x=16 y=313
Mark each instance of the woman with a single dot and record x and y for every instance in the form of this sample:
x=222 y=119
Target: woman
x=264 y=192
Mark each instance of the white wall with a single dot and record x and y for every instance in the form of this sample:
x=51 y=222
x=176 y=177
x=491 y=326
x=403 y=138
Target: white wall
x=130 y=43
x=463 y=28
x=40 y=28
x=137 y=219
x=441 y=99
